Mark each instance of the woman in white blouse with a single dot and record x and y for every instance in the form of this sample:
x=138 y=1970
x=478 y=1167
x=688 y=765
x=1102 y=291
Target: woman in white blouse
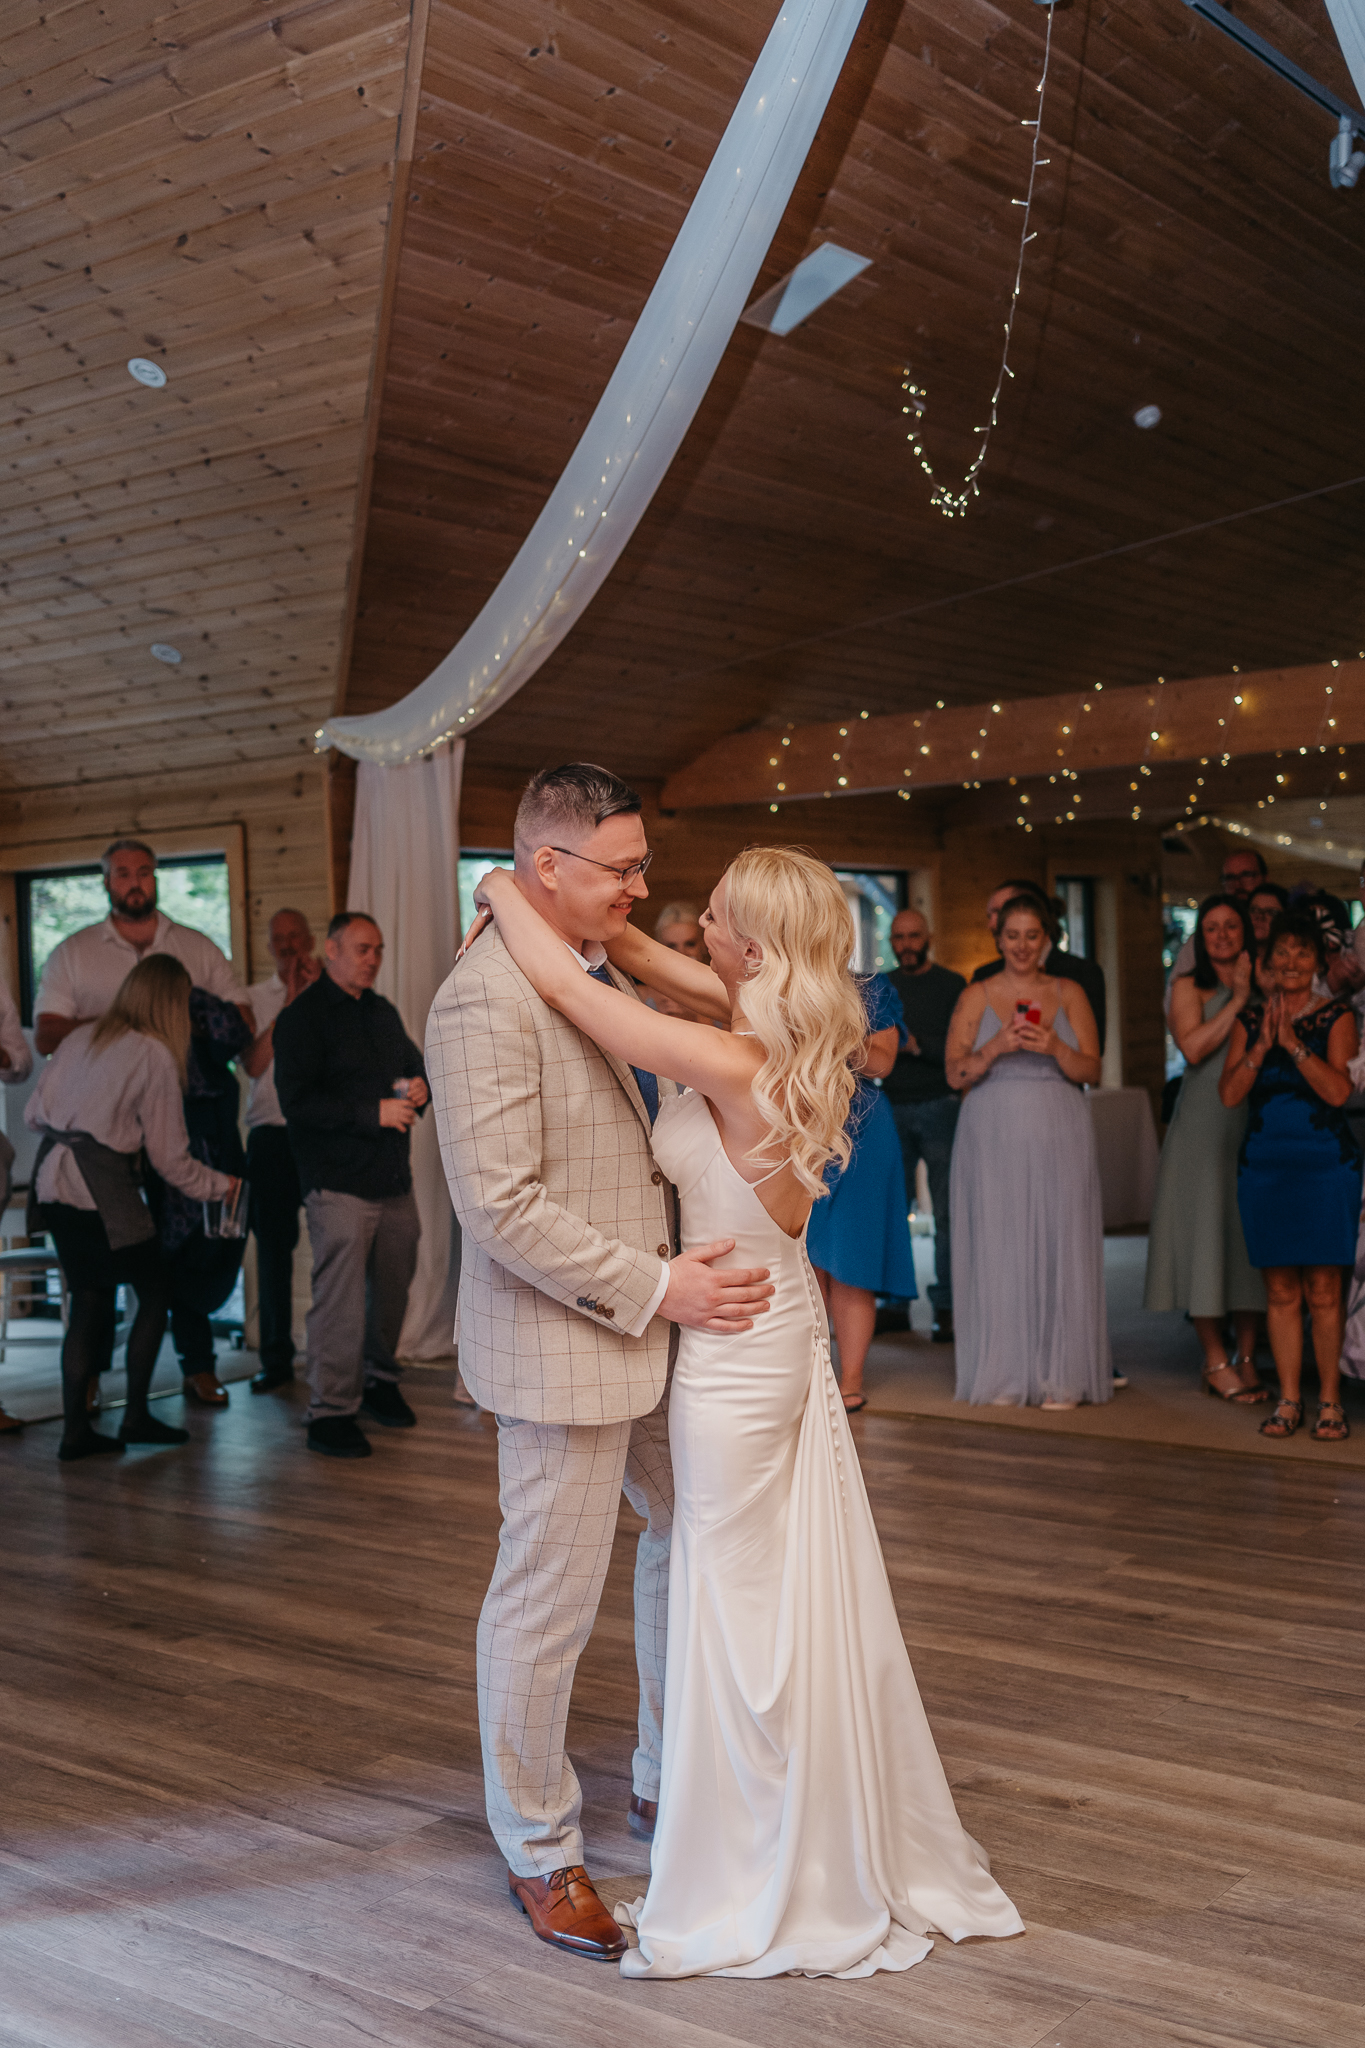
x=112 y=1089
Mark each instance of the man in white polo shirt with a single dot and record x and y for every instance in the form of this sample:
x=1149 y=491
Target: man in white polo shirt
x=273 y=1177
x=85 y=972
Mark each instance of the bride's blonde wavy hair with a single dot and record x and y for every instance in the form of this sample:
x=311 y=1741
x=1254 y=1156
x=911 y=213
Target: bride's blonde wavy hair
x=802 y=1004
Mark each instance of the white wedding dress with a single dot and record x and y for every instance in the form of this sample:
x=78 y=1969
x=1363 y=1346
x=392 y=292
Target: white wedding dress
x=805 y=1824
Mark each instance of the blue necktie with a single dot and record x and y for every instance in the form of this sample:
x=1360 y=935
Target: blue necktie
x=647 y=1083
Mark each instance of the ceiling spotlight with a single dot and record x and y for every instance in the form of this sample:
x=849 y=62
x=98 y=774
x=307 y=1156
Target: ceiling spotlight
x=1147 y=416
x=163 y=652
x=146 y=372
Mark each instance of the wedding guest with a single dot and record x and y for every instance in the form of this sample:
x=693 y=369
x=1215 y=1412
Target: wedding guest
x=859 y=1237
x=1263 y=906
x=1299 y=1174
x=84 y=973
x=678 y=926
x=1196 y=1252
x=114 y=1089
x=923 y=1105
x=351 y=1083
x=272 y=1176
x=16 y=1064
x=1243 y=870
x=1028 y=1243
x=203 y=1269
x=16 y=1060
x=1087 y=974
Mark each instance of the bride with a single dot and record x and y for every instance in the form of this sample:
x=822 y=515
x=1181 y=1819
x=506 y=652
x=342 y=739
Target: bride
x=805 y=1823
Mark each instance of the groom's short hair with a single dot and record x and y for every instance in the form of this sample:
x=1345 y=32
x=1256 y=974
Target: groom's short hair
x=570 y=802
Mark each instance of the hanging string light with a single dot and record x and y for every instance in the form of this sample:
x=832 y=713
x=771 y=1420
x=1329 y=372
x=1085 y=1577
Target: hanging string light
x=955 y=504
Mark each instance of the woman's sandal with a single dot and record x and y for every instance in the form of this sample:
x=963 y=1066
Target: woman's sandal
x=1286 y=1419
x=1330 y=1432
x=1241 y=1395
x=853 y=1402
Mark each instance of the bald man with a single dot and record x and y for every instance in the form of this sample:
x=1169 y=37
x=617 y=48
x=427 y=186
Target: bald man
x=924 y=1106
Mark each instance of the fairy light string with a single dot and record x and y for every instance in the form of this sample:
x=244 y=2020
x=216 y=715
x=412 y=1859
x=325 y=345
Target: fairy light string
x=955 y=504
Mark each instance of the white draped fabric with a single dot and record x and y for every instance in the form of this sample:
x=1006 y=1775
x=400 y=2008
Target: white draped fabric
x=1348 y=19
x=404 y=872
x=649 y=403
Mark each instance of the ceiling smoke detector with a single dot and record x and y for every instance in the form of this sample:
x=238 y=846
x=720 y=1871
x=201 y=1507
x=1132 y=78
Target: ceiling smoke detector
x=146 y=372
x=163 y=651
x=1147 y=416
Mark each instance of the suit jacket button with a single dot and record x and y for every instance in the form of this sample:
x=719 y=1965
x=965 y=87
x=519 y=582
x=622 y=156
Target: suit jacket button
x=609 y=1313
x=656 y=1177
x=662 y=1250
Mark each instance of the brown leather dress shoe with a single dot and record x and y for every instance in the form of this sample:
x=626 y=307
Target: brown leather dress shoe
x=207 y=1390
x=642 y=1815
x=564 y=1910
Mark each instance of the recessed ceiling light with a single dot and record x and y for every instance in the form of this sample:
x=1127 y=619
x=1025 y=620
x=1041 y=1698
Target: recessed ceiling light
x=817 y=277
x=146 y=372
x=1147 y=416
x=166 y=653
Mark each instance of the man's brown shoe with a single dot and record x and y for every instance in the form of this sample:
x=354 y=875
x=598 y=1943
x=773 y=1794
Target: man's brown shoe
x=642 y=1815
x=564 y=1910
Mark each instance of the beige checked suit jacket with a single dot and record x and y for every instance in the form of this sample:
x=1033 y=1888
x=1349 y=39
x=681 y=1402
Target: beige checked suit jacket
x=565 y=1216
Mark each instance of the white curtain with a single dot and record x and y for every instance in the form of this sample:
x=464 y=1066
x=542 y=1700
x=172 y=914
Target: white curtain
x=1348 y=19
x=649 y=403
x=404 y=872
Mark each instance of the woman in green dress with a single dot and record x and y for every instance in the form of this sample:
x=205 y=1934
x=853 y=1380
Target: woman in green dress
x=1196 y=1253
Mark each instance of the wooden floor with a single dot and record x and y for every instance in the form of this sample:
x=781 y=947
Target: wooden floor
x=240 y=1797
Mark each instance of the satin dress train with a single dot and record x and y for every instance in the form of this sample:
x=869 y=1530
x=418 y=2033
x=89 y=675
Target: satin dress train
x=805 y=1824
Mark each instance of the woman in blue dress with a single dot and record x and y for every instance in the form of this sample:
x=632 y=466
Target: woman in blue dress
x=1299 y=1169
x=859 y=1237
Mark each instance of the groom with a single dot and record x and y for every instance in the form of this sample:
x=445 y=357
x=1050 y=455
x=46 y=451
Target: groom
x=567 y=1297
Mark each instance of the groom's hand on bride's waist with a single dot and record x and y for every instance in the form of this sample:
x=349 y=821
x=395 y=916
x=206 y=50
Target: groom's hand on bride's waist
x=703 y=1299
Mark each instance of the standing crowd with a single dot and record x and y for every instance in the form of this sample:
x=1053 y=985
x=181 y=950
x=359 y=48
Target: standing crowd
x=1258 y=1203
x=140 y=1172
x=140 y=1168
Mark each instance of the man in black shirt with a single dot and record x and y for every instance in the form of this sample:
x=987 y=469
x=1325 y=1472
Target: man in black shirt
x=924 y=1106
x=1070 y=966
x=351 y=1083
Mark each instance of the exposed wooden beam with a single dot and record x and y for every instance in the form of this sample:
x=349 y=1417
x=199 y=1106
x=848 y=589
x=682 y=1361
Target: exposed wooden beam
x=1081 y=731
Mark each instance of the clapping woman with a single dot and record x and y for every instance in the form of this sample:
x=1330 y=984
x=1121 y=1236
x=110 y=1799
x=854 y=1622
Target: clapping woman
x=1299 y=1172
x=1196 y=1252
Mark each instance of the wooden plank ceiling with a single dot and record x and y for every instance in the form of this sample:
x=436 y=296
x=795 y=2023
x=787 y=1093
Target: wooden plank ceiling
x=1191 y=254
x=205 y=184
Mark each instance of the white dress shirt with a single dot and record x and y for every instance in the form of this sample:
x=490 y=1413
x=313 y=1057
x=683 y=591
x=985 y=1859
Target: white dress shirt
x=85 y=972
x=594 y=955
x=267 y=999
x=124 y=1095
x=13 y=1041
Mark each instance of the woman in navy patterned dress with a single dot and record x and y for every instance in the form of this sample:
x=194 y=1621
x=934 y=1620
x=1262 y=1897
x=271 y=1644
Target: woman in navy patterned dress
x=1299 y=1170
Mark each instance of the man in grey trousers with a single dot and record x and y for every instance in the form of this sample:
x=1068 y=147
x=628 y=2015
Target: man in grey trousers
x=351 y=1083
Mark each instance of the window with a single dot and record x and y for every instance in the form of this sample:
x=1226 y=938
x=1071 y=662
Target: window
x=474 y=864
x=54 y=902
x=874 y=898
x=1177 y=925
x=1078 y=911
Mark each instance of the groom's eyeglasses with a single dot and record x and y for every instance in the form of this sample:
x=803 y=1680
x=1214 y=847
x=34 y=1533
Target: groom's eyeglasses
x=623 y=875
